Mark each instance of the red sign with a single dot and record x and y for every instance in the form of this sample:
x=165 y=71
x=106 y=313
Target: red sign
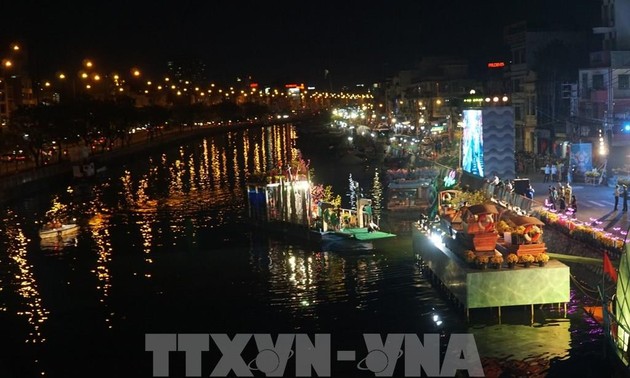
x=496 y=64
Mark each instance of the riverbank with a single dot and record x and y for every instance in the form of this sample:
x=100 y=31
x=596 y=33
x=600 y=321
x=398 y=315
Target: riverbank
x=29 y=180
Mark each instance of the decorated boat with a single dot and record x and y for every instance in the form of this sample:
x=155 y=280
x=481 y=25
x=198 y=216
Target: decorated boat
x=521 y=235
x=285 y=203
x=474 y=226
x=408 y=197
x=460 y=249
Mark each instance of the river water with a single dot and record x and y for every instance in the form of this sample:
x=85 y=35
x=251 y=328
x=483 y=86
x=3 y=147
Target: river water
x=163 y=247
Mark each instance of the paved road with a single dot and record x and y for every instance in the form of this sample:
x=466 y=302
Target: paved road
x=595 y=204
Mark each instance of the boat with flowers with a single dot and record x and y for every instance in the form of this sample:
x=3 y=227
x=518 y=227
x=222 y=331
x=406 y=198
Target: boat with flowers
x=521 y=235
x=463 y=250
x=290 y=204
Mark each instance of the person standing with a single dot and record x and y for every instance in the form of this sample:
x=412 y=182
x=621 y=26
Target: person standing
x=551 y=204
x=554 y=172
x=508 y=186
x=616 y=194
x=368 y=212
x=547 y=173
x=563 y=204
x=625 y=198
x=573 y=205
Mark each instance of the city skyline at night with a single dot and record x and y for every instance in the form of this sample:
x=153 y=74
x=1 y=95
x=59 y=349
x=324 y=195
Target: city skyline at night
x=316 y=43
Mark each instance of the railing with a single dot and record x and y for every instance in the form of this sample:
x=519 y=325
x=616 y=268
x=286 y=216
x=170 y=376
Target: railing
x=511 y=200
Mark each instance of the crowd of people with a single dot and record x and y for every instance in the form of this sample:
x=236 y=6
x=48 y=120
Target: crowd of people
x=562 y=199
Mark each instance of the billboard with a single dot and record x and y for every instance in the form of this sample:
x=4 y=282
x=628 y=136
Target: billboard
x=582 y=157
x=472 y=142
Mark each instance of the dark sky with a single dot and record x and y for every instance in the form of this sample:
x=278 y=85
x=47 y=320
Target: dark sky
x=273 y=40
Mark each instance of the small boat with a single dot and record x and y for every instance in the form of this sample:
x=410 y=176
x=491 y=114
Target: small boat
x=87 y=170
x=58 y=230
x=349 y=238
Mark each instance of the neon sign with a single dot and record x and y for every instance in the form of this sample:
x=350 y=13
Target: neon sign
x=496 y=64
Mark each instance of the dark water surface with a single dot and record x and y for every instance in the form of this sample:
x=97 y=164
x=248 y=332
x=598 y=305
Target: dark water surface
x=163 y=248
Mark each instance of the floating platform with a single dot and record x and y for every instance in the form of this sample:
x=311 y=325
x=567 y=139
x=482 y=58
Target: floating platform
x=484 y=288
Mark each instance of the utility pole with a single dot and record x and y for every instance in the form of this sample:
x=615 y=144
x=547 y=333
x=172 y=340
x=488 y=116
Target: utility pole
x=610 y=116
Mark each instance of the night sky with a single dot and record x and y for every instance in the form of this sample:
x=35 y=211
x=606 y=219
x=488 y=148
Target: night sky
x=274 y=41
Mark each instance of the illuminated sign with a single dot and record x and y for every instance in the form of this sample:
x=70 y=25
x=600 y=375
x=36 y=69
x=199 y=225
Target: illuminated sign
x=475 y=99
x=253 y=85
x=472 y=142
x=496 y=64
x=299 y=86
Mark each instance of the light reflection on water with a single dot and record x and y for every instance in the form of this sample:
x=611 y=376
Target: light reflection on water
x=19 y=279
x=163 y=248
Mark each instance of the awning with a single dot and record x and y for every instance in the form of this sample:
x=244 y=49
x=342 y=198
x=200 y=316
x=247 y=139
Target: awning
x=525 y=221
x=483 y=209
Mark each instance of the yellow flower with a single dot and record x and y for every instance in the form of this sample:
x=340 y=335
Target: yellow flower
x=526 y=258
x=542 y=257
x=482 y=259
x=496 y=259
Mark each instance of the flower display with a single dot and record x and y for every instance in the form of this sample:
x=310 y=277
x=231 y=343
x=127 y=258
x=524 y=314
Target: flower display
x=512 y=258
x=470 y=256
x=481 y=260
x=542 y=258
x=496 y=259
x=526 y=258
x=597 y=238
x=520 y=230
x=503 y=226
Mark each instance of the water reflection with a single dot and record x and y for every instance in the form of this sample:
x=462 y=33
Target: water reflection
x=19 y=279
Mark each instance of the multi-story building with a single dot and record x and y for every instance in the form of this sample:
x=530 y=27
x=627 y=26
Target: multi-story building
x=430 y=94
x=15 y=84
x=604 y=87
x=540 y=62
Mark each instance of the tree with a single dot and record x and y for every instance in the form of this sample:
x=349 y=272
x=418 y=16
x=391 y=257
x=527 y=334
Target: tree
x=377 y=194
x=353 y=192
x=36 y=127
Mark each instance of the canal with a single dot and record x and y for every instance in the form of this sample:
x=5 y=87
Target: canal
x=164 y=248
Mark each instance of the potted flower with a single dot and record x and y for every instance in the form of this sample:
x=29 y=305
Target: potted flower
x=482 y=261
x=470 y=256
x=512 y=259
x=505 y=230
x=496 y=261
x=503 y=227
x=542 y=259
x=527 y=259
